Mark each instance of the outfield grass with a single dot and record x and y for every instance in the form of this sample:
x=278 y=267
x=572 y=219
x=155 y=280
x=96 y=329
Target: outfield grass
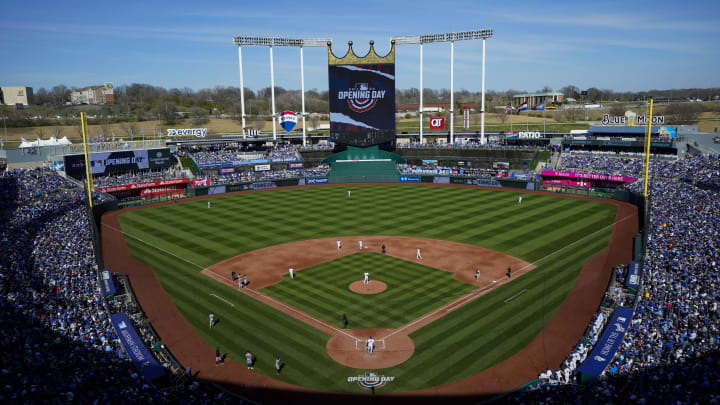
x=464 y=342
x=412 y=290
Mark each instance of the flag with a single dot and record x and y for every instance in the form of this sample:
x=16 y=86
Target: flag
x=522 y=107
x=540 y=107
x=508 y=108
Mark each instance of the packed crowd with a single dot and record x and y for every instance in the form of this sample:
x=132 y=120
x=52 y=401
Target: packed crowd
x=229 y=153
x=138 y=177
x=671 y=352
x=602 y=163
x=253 y=176
x=434 y=170
x=58 y=345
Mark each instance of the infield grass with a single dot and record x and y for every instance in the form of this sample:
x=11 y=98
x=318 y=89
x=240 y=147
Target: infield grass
x=412 y=290
x=556 y=234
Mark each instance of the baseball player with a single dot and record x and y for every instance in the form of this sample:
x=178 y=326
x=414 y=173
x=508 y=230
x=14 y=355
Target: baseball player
x=477 y=274
x=278 y=365
x=218 y=356
x=245 y=282
x=249 y=360
x=520 y=200
x=361 y=246
x=509 y=272
x=348 y=193
x=418 y=256
x=367 y=278
x=209 y=204
x=292 y=273
x=240 y=284
x=212 y=320
x=370 y=345
x=339 y=244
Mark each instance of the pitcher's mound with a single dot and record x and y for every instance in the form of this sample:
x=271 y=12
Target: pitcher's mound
x=373 y=287
x=353 y=353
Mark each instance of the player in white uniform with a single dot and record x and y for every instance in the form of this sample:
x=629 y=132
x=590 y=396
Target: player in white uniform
x=339 y=244
x=361 y=246
x=367 y=278
x=209 y=204
x=370 y=345
x=348 y=193
x=292 y=273
x=212 y=320
x=520 y=200
x=418 y=256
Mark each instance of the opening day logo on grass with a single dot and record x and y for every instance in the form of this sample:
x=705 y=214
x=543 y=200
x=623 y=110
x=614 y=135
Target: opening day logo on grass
x=371 y=380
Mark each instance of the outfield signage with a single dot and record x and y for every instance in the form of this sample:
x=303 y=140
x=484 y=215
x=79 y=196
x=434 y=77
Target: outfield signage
x=437 y=123
x=296 y=165
x=262 y=168
x=631 y=119
x=227 y=170
x=135 y=186
x=201 y=182
x=410 y=179
x=134 y=347
x=589 y=176
x=316 y=180
x=608 y=343
x=106 y=283
x=102 y=163
x=196 y=132
x=529 y=135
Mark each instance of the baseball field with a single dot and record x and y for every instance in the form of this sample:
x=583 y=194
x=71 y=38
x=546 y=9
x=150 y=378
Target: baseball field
x=475 y=324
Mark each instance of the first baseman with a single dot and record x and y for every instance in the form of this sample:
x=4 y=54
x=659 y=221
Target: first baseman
x=477 y=274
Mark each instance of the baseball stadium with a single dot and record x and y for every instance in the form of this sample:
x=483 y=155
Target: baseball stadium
x=363 y=264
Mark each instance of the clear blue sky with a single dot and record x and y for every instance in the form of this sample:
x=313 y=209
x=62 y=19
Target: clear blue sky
x=620 y=45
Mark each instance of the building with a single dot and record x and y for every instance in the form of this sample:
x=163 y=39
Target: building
x=12 y=95
x=533 y=99
x=93 y=95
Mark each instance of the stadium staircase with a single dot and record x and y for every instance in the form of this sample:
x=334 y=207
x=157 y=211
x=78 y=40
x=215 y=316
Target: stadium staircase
x=363 y=165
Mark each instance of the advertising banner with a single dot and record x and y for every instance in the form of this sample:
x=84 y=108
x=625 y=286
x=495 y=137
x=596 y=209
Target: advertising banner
x=632 y=282
x=135 y=186
x=296 y=165
x=316 y=180
x=605 y=348
x=227 y=170
x=160 y=158
x=217 y=190
x=262 y=185
x=573 y=183
x=153 y=191
x=287 y=120
x=262 y=168
x=589 y=176
x=107 y=162
x=139 y=354
x=668 y=132
x=106 y=283
x=201 y=182
x=437 y=122
x=441 y=180
x=410 y=179
x=362 y=104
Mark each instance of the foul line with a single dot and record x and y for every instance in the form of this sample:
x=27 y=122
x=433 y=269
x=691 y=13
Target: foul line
x=478 y=292
x=516 y=295
x=223 y=299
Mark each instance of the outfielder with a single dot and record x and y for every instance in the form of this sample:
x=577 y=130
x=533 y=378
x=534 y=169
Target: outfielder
x=249 y=360
x=278 y=365
x=212 y=320
x=520 y=200
x=209 y=204
x=370 y=345
x=367 y=278
x=348 y=193
x=292 y=273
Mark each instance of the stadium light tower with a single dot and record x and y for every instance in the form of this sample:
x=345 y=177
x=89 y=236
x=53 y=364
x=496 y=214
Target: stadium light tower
x=450 y=37
x=270 y=42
